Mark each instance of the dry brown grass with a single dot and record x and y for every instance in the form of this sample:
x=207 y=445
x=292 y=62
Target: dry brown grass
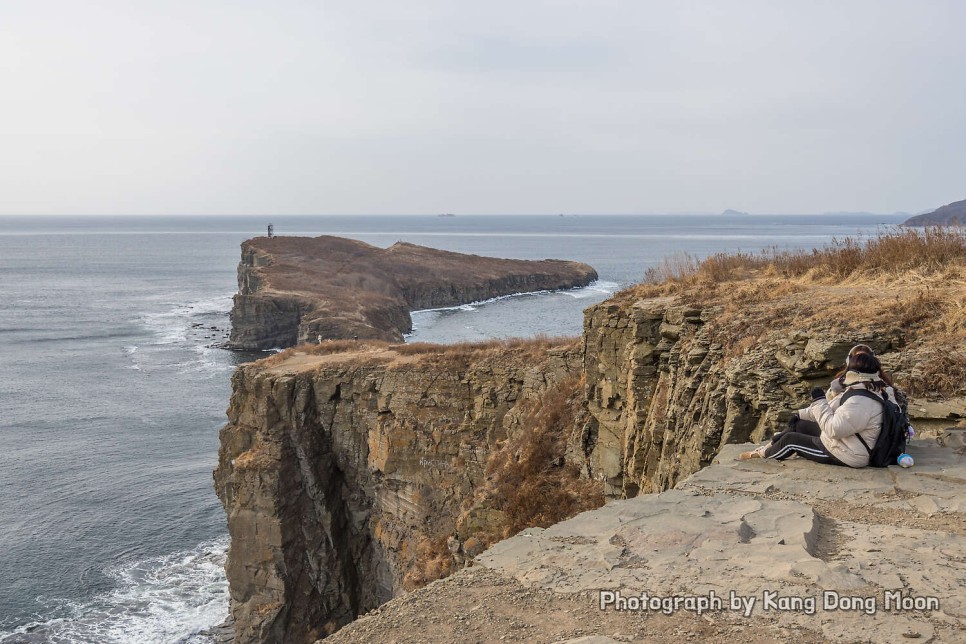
x=908 y=284
x=462 y=354
x=329 y=347
x=528 y=477
x=433 y=561
x=453 y=355
x=942 y=372
x=895 y=251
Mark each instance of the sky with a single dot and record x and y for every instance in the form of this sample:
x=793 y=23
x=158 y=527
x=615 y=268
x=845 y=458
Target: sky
x=314 y=107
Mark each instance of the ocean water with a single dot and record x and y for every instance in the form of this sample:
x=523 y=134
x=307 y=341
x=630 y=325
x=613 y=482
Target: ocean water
x=113 y=391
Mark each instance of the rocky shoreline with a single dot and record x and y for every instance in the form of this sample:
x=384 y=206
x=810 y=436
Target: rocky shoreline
x=293 y=290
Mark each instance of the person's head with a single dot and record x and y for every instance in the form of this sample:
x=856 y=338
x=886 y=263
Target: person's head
x=864 y=363
x=857 y=349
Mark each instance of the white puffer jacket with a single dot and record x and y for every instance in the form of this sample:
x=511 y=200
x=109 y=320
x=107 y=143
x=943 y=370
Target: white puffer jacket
x=842 y=422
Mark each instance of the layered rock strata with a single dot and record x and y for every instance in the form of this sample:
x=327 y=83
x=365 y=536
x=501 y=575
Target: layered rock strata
x=345 y=476
x=669 y=383
x=813 y=554
x=299 y=289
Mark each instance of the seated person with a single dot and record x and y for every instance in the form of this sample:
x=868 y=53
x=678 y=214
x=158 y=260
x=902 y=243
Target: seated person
x=836 y=432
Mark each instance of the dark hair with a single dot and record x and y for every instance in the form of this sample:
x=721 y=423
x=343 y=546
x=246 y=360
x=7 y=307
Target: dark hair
x=864 y=363
x=863 y=349
x=867 y=363
x=857 y=349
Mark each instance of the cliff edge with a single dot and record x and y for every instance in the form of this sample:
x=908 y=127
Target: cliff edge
x=353 y=473
x=298 y=289
x=811 y=554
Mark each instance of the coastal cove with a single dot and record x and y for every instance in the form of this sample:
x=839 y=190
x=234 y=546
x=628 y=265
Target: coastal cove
x=114 y=395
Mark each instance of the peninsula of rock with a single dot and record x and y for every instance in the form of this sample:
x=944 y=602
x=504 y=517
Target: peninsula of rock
x=299 y=289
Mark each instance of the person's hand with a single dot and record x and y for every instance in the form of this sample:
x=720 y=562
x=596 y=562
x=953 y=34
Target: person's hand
x=817 y=394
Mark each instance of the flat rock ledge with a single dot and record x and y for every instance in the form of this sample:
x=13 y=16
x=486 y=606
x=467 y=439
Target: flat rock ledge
x=790 y=532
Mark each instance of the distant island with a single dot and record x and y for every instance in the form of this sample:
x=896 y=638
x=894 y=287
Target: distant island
x=293 y=290
x=953 y=214
x=733 y=213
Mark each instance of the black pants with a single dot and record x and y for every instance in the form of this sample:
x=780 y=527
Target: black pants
x=802 y=439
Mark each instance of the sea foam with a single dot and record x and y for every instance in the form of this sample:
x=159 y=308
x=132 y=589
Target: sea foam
x=173 y=598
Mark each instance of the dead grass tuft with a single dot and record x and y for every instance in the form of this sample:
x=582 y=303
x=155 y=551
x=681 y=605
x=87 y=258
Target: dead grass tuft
x=528 y=477
x=941 y=373
x=329 y=347
x=894 y=251
x=535 y=346
x=433 y=561
x=456 y=354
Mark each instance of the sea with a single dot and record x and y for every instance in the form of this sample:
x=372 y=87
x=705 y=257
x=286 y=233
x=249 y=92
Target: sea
x=113 y=387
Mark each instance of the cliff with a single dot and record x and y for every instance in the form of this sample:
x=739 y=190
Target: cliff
x=297 y=289
x=953 y=214
x=672 y=378
x=812 y=554
x=353 y=476
x=352 y=473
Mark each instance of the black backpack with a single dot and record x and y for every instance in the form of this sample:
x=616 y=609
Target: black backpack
x=892 y=437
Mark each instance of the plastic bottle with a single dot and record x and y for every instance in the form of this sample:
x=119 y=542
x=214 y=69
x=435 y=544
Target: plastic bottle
x=905 y=460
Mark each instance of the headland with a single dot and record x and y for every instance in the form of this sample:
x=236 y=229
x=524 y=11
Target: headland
x=953 y=214
x=293 y=290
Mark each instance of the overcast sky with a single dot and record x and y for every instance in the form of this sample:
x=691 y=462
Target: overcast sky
x=294 y=107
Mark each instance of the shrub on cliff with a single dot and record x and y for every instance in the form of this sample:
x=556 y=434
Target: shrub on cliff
x=528 y=478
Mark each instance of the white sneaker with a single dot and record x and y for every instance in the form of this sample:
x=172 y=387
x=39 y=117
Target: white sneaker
x=755 y=453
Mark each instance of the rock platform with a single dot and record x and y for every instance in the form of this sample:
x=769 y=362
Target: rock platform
x=786 y=532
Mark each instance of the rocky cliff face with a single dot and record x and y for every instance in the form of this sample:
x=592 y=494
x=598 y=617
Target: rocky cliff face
x=347 y=478
x=293 y=290
x=669 y=382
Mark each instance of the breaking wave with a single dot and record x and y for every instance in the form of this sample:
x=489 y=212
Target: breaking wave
x=174 y=598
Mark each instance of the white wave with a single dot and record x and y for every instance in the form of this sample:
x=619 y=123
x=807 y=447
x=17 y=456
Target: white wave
x=173 y=598
x=594 y=288
x=130 y=351
x=174 y=325
x=205 y=362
